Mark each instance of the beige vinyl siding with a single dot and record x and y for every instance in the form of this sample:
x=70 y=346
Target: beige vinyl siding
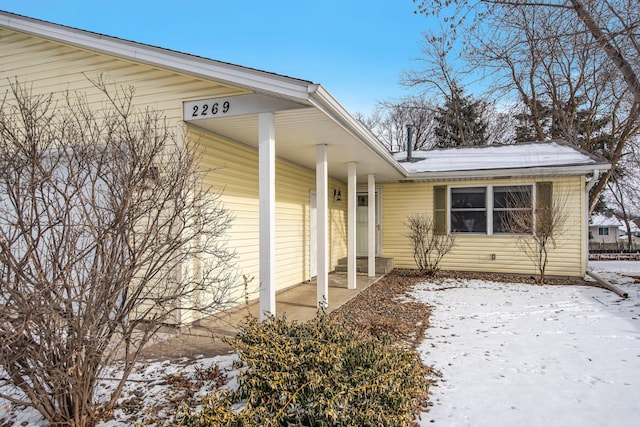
x=400 y=201
x=50 y=67
x=232 y=168
x=473 y=252
x=235 y=174
x=47 y=67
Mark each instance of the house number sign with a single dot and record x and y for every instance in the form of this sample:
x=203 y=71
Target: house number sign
x=234 y=106
x=204 y=109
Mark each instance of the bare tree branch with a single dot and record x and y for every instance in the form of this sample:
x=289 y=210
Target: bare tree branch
x=106 y=235
x=428 y=247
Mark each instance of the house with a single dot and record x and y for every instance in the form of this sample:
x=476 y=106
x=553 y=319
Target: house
x=604 y=229
x=607 y=231
x=308 y=184
x=472 y=181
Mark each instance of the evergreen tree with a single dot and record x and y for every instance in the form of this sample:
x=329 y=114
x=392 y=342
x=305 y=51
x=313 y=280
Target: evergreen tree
x=459 y=122
x=579 y=126
x=535 y=123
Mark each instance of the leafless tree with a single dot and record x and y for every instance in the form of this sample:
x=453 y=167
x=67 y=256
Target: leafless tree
x=437 y=76
x=567 y=85
x=619 y=195
x=536 y=228
x=624 y=194
x=390 y=120
x=614 y=25
x=445 y=84
x=500 y=124
x=106 y=235
x=582 y=60
x=428 y=246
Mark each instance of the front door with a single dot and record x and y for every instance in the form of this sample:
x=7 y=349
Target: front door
x=362 y=220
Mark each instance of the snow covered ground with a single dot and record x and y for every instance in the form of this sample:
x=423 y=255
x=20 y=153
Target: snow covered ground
x=525 y=355
x=509 y=354
x=152 y=392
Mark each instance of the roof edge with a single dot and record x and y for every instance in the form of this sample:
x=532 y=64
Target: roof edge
x=323 y=100
x=226 y=73
x=542 y=171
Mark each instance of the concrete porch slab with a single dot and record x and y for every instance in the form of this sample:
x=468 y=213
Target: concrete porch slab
x=204 y=338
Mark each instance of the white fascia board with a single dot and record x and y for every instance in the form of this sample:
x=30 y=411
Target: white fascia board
x=576 y=170
x=325 y=102
x=180 y=62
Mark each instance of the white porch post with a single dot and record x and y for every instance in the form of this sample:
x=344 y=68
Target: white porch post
x=322 y=190
x=371 y=220
x=267 y=202
x=351 y=225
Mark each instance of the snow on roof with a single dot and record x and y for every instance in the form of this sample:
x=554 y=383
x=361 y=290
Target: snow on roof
x=530 y=155
x=601 y=220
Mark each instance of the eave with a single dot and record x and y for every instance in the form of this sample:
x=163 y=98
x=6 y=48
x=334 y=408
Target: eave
x=515 y=173
x=324 y=101
x=151 y=55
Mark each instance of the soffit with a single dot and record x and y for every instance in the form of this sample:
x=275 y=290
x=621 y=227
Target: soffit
x=298 y=132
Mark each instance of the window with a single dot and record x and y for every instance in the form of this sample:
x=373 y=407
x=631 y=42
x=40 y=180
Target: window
x=603 y=231
x=469 y=210
x=504 y=209
x=512 y=209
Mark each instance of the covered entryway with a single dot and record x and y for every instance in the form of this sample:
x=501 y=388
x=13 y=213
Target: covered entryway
x=304 y=127
x=255 y=117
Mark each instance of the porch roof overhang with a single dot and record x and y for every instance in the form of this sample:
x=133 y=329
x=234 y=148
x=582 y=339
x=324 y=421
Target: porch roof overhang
x=319 y=120
x=307 y=122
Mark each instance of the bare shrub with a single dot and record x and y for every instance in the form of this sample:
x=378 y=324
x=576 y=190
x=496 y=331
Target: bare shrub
x=538 y=228
x=106 y=235
x=428 y=247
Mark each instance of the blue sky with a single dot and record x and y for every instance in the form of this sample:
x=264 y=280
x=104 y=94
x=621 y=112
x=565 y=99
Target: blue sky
x=355 y=48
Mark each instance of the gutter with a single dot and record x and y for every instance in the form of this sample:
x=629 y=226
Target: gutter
x=608 y=285
x=542 y=171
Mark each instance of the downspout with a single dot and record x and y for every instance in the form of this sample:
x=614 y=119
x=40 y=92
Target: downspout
x=588 y=187
x=608 y=285
x=592 y=182
x=604 y=283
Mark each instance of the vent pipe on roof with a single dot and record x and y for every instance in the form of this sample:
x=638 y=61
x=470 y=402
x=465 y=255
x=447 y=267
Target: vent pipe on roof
x=409 y=147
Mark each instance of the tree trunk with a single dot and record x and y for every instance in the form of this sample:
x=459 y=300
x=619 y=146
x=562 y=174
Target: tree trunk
x=612 y=52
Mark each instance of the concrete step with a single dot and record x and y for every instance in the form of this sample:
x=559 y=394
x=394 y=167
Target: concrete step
x=383 y=265
x=362 y=270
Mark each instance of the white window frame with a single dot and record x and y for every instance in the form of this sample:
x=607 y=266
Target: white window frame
x=530 y=208
x=603 y=231
x=489 y=208
x=488 y=198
